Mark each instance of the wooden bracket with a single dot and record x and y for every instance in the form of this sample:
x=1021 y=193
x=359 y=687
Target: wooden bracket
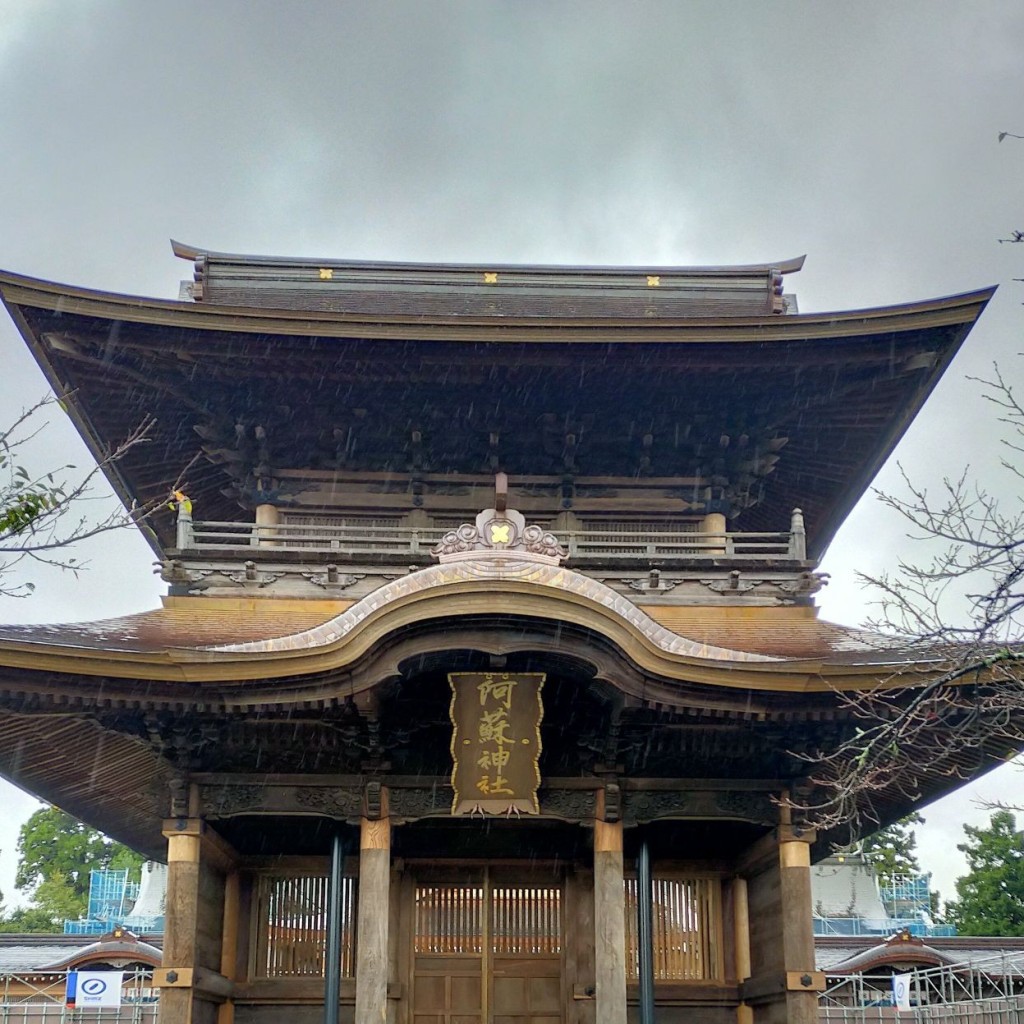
x=210 y=983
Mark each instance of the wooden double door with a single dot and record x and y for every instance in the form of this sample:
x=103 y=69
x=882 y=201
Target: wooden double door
x=487 y=947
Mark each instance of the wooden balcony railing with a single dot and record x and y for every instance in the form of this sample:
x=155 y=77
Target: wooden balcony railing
x=353 y=541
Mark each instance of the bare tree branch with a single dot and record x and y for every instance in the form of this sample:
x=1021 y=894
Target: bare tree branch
x=43 y=515
x=955 y=618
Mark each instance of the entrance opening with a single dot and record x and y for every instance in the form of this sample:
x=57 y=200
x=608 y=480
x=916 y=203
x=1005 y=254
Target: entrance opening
x=487 y=949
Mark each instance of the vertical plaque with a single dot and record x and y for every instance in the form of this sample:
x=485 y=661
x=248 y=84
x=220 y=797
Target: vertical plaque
x=496 y=746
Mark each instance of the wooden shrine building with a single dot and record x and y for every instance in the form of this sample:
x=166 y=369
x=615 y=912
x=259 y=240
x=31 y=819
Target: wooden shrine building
x=489 y=586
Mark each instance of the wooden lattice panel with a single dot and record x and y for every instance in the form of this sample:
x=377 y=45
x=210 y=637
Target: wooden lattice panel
x=293 y=927
x=687 y=929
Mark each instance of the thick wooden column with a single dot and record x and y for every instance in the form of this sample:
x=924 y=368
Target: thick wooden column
x=191 y=984
x=741 y=942
x=374 y=913
x=229 y=944
x=609 y=924
x=784 y=985
x=803 y=984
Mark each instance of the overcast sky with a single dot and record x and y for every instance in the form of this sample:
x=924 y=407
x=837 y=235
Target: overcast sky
x=583 y=132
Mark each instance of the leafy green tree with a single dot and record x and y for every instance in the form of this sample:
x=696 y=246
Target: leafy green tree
x=56 y=853
x=990 y=897
x=28 y=920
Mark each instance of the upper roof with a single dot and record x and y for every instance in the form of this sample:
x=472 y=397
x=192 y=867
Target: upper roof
x=773 y=411
x=492 y=290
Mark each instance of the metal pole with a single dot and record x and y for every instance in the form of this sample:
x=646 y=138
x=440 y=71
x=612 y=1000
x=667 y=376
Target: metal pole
x=645 y=933
x=332 y=954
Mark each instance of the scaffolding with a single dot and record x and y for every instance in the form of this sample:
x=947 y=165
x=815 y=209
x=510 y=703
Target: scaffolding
x=111 y=898
x=908 y=896
x=39 y=998
x=987 y=991
x=907 y=902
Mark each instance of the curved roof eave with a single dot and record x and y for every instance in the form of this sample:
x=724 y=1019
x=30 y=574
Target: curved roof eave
x=102 y=950
x=443 y=593
x=964 y=308
x=888 y=954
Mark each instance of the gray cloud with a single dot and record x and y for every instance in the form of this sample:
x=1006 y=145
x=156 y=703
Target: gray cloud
x=649 y=133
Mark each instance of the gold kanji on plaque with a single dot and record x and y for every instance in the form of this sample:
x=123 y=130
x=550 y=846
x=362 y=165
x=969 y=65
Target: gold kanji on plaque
x=496 y=743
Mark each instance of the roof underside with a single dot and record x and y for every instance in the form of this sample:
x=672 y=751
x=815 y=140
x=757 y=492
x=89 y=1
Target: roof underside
x=767 y=412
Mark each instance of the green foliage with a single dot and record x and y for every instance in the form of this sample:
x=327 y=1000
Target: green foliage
x=23 y=502
x=56 y=898
x=990 y=897
x=56 y=853
x=29 y=920
x=893 y=850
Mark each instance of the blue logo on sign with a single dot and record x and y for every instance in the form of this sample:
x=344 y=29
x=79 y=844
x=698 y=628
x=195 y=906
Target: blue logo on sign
x=94 y=986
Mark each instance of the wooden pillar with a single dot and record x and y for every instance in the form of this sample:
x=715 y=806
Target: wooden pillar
x=267 y=516
x=784 y=986
x=609 y=924
x=714 y=523
x=803 y=984
x=741 y=942
x=374 y=913
x=191 y=982
x=180 y=924
x=229 y=944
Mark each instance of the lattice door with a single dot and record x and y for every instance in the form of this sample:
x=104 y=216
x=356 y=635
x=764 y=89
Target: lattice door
x=487 y=951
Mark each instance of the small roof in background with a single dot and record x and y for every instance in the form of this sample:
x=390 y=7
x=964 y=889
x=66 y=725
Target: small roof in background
x=21 y=954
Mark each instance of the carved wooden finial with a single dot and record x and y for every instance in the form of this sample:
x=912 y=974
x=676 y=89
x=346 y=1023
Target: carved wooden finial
x=500 y=492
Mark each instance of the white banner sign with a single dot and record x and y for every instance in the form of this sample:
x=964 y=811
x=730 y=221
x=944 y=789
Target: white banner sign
x=94 y=988
x=901 y=991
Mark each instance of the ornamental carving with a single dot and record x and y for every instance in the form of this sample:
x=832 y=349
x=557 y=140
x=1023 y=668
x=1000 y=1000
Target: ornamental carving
x=734 y=583
x=224 y=801
x=374 y=799
x=421 y=802
x=652 y=584
x=172 y=570
x=178 y=794
x=497 y=531
x=336 y=803
x=759 y=808
x=805 y=583
x=648 y=805
x=252 y=578
x=331 y=579
x=569 y=804
x=612 y=801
